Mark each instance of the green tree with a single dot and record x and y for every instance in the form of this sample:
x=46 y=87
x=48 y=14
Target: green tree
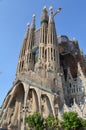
x=70 y=121
x=51 y=122
x=35 y=121
x=83 y=122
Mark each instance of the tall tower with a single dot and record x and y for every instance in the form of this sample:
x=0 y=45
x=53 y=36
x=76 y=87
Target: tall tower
x=53 y=71
x=30 y=55
x=52 y=61
x=43 y=34
x=26 y=58
x=43 y=42
x=21 y=62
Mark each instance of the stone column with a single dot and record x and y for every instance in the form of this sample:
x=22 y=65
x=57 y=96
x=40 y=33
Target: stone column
x=39 y=100
x=19 y=116
x=26 y=88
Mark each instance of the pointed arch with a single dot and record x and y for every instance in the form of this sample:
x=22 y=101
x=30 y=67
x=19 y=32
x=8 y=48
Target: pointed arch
x=46 y=106
x=32 y=101
x=15 y=105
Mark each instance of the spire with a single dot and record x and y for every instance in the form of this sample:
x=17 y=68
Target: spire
x=21 y=61
x=33 y=22
x=27 y=30
x=28 y=27
x=26 y=59
x=52 y=37
x=52 y=58
x=31 y=33
x=43 y=41
x=29 y=64
x=51 y=15
x=44 y=17
x=44 y=25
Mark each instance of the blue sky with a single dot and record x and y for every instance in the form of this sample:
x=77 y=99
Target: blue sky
x=15 y=14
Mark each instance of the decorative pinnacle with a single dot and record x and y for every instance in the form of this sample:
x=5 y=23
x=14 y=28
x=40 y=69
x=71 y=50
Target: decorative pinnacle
x=28 y=27
x=50 y=8
x=33 y=21
x=44 y=7
x=57 y=11
x=28 y=24
x=33 y=16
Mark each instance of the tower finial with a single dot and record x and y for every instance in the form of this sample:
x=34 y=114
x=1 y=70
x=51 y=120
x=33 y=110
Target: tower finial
x=44 y=16
x=50 y=8
x=57 y=11
x=28 y=26
x=27 y=29
x=33 y=22
x=33 y=16
x=51 y=15
x=44 y=7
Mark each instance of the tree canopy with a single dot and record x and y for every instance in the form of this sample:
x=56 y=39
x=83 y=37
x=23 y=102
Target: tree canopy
x=35 y=121
x=39 y=123
x=51 y=122
x=70 y=121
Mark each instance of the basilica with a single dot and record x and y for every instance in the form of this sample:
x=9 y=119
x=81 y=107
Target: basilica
x=50 y=76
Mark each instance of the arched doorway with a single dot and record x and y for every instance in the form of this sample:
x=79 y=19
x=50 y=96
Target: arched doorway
x=32 y=101
x=46 y=108
x=13 y=116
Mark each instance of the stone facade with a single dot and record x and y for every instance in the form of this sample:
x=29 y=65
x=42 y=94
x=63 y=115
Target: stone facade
x=50 y=76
